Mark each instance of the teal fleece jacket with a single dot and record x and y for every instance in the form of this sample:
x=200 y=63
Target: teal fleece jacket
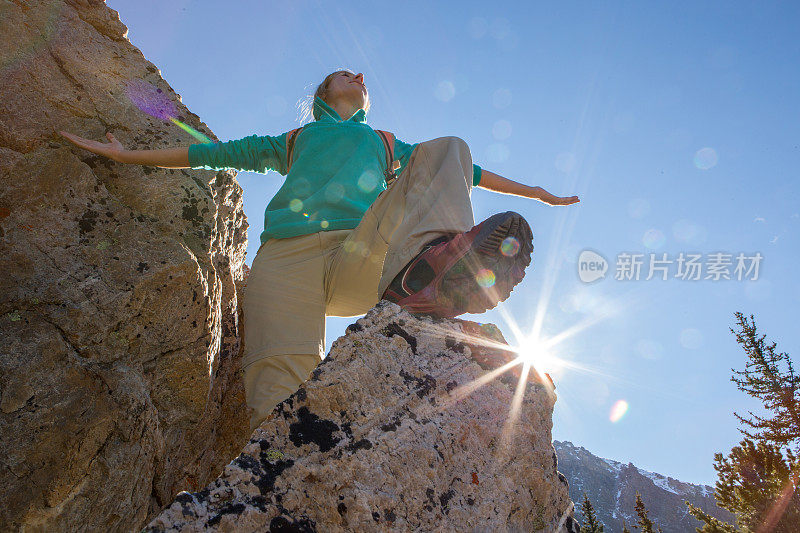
x=337 y=171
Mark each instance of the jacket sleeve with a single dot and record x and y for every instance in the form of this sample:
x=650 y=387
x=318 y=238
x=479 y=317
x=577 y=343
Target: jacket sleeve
x=402 y=152
x=256 y=153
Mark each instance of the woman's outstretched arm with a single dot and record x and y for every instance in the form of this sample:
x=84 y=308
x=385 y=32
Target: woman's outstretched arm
x=164 y=158
x=493 y=182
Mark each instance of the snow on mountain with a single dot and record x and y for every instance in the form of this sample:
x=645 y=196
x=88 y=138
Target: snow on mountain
x=612 y=486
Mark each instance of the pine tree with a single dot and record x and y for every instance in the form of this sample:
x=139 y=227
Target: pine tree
x=590 y=522
x=756 y=481
x=711 y=524
x=770 y=378
x=645 y=525
x=757 y=484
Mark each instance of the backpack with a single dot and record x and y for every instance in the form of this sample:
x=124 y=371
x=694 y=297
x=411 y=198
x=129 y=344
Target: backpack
x=388 y=144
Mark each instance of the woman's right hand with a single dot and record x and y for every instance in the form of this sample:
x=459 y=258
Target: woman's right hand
x=113 y=150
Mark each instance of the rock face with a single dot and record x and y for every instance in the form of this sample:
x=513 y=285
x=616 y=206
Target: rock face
x=120 y=381
x=388 y=434
x=612 y=486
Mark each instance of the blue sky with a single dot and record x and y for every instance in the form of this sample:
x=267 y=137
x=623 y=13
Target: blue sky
x=675 y=123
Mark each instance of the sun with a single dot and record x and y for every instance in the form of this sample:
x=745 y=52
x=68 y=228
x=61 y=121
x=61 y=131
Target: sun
x=535 y=353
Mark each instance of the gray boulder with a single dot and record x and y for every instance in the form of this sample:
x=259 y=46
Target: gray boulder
x=403 y=426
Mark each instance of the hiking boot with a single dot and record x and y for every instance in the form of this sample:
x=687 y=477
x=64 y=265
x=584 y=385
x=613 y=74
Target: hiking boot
x=469 y=273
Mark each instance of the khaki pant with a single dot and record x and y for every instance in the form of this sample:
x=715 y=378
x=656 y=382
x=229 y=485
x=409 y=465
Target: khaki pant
x=294 y=283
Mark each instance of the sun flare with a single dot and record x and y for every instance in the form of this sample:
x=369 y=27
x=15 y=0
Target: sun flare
x=536 y=354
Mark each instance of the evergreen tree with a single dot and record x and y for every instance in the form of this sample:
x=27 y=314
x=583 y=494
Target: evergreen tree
x=757 y=484
x=711 y=524
x=590 y=522
x=770 y=378
x=756 y=481
x=645 y=525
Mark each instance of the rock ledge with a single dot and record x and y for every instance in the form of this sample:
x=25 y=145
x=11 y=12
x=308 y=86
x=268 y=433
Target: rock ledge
x=386 y=435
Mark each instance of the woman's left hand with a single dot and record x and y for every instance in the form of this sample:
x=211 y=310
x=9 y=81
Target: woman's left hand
x=566 y=200
x=495 y=182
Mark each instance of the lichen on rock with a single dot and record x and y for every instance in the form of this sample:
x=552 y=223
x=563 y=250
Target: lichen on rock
x=119 y=327
x=393 y=431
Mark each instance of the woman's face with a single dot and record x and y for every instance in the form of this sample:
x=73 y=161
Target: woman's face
x=347 y=87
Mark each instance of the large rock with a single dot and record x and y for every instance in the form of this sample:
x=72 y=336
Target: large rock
x=119 y=371
x=392 y=432
x=120 y=377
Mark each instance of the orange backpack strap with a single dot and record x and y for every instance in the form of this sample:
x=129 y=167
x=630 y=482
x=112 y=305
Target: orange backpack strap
x=291 y=135
x=391 y=164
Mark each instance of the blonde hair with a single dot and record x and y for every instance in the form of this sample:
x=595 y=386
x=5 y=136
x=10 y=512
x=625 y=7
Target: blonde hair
x=305 y=105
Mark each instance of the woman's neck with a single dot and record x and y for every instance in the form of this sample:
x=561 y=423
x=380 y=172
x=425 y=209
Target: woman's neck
x=344 y=109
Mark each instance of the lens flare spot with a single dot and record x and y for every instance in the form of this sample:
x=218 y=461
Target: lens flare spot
x=445 y=91
x=654 y=239
x=296 y=205
x=485 y=278
x=501 y=98
x=150 y=99
x=305 y=215
x=618 y=410
x=497 y=152
x=650 y=349
x=687 y=232
x=566 y=162
x=691 y=338
x=478 y=27
x=324 y=224
x=367 y=182
x=705 y=158
x=501 y=130
x=153 y=101
x=638 y=208
x=509 y=247
x=190 y=130
x=334 y=193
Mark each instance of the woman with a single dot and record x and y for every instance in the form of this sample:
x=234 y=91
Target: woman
x=337 y=237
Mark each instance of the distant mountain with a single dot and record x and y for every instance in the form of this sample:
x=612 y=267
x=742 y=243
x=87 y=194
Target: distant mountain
x=612 y=486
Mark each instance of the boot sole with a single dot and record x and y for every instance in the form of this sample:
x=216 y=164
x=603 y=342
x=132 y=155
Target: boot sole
x=486 y=274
